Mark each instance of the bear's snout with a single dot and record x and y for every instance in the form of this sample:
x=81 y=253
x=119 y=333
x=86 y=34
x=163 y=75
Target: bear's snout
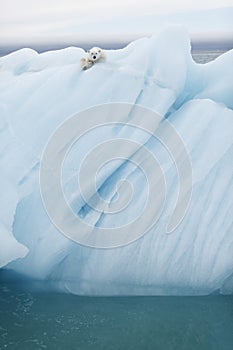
x=94 y=57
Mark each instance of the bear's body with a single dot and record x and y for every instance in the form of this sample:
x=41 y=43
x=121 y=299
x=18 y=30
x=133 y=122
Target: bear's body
x=94 y=55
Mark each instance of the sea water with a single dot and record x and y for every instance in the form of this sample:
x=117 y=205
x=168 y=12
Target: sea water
x=206 y=56
x=34 y=320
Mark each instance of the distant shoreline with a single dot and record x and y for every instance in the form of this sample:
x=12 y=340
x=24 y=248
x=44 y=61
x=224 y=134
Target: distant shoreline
x=201 y=45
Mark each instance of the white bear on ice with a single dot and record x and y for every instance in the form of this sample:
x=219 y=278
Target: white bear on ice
x=94 y=55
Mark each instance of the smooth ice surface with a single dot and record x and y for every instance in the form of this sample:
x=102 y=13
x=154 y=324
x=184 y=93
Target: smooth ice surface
x=39 y=91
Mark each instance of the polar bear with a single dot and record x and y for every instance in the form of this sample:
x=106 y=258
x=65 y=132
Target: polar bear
x=94 y=55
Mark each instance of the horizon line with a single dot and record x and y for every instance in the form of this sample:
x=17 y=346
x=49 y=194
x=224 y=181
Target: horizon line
x=199 y=41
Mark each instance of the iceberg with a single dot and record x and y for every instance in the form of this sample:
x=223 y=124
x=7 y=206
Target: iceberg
x=39 y=92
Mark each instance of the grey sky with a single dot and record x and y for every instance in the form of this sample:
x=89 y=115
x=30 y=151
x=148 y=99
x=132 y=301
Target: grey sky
x=30 y=19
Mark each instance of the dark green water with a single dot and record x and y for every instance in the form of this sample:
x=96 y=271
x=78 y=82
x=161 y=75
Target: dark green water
x=39 y=320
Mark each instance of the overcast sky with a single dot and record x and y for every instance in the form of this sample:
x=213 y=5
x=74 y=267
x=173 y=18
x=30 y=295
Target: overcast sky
x=40 y=19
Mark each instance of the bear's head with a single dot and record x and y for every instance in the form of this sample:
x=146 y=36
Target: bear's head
x=95 y=54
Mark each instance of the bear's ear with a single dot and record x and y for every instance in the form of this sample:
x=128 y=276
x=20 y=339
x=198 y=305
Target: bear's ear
x=99 y=51
x=88 y=51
